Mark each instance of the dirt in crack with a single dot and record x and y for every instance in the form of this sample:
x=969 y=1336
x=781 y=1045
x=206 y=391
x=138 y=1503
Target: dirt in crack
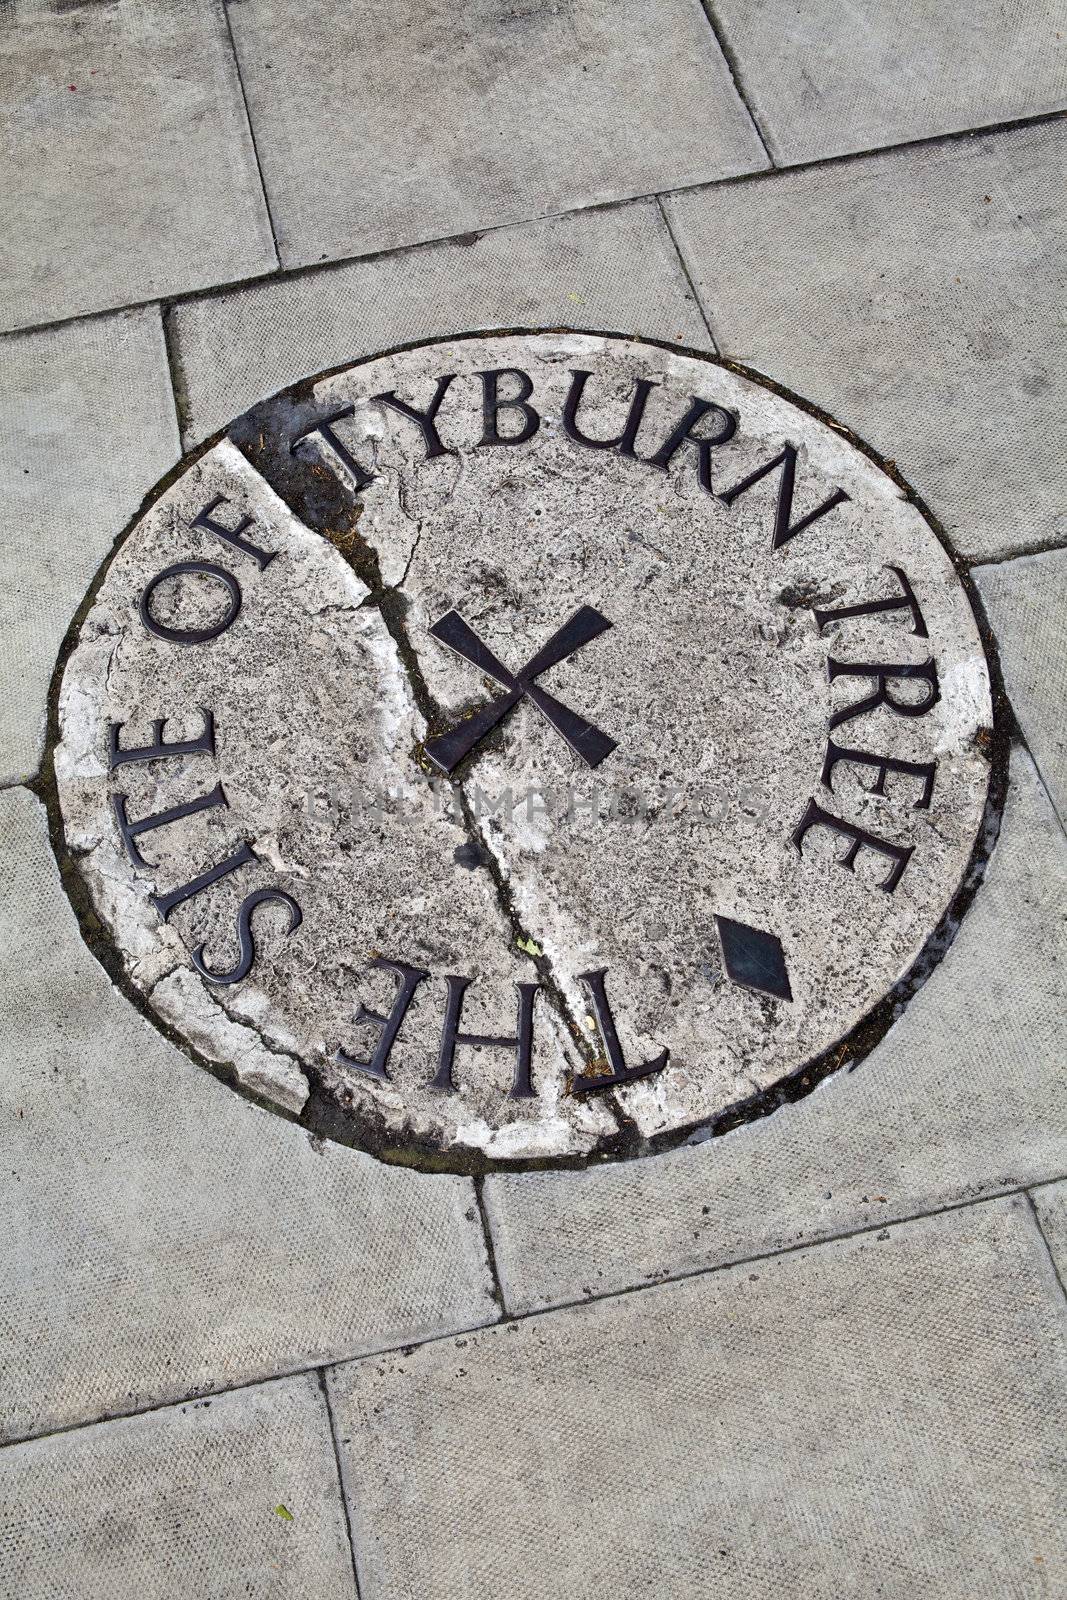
x=327 y=507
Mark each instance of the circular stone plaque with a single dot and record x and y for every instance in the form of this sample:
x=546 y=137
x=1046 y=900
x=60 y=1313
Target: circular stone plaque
x=525 y=747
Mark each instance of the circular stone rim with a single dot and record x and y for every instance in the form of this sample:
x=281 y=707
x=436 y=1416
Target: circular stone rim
x=320 y=1117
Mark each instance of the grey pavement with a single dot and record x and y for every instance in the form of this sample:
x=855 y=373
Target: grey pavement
x=228 y=1496
x=965 y=1097
x=159 y=1236
x=1026 y=602
x=1050 y=1204
x=824 y=79
x=918 y=296
x=471 y=116
x=821 y=1355
x=127 y=169
x=869 y=1419
x=613 y=267
x=87 y=425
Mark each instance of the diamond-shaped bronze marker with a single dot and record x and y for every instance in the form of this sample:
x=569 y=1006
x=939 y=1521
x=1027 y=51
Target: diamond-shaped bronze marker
x=755 y=959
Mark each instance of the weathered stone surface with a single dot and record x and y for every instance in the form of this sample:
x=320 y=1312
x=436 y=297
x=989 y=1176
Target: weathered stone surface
x=1050 y=1202
x=103 y=384
x=158 y=1237
x=432 y=120
x=189 y=1500
x=609 y=268
x=1026 y=602
x=965 y=1096
x=918 y=298
x=126 y=169
x=824 y=79
x=698 y=874
x=878 y=1416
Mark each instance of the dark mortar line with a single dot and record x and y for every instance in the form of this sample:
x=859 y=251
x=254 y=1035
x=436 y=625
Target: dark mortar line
x=252 y=134
x=688 y=276
x=535 y=1313
x=179 y=386
x=729 y=55
x=1043 y=1236
x=342 y=1476
x=1039 y=547
x=283 y=274
x=490 y=1245
x=847 y=157
x=1046 y=791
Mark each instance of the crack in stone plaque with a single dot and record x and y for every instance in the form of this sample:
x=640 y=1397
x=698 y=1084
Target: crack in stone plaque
x=523 y=749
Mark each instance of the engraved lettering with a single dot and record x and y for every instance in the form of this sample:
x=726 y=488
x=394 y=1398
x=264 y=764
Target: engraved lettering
x=698 y=409
x=784 y=526
x=425 y=419
x=244 y=934
x=925 y=672
x=410 y=978
x=620 y=1072
x=262 y=558
x=624 y=441
x=859 y=838
x=521 y=1041
x=906 y=601
x=326 y=429
x=204 y=742
x=492 y=405
x=159 y=819
x=206 y=569
x=165 y=903
x=924 y=771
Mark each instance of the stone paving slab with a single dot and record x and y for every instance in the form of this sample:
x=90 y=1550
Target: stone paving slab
x=232 y=1496
x=964 y=1096
x=126 y=168
x=1050 y=1203
x=1026 y=603
x=86 y=426
x=823 y=79
x=385 y=125
x=160 y=1237
x=614 y=268
x=918 y=297
x=878 y=1416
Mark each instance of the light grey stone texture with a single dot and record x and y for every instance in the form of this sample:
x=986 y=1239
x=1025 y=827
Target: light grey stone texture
x=613 y=268
x=314 y=720
x=181 y=1501
x=878 y=1417
x=918 y=297
x=733 y=732
x=126 y=167
x=386 y=125
x=160 y=1237
x=965 y=1096
x=86 y=427
x=1026 y=602
x=1050 y=1203
x=825 y=79
x=722 y=742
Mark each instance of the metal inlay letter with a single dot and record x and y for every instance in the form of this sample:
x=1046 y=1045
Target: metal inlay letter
x=203 y=743
x=410 y=978
x=620 y=1072
x=859 y=838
